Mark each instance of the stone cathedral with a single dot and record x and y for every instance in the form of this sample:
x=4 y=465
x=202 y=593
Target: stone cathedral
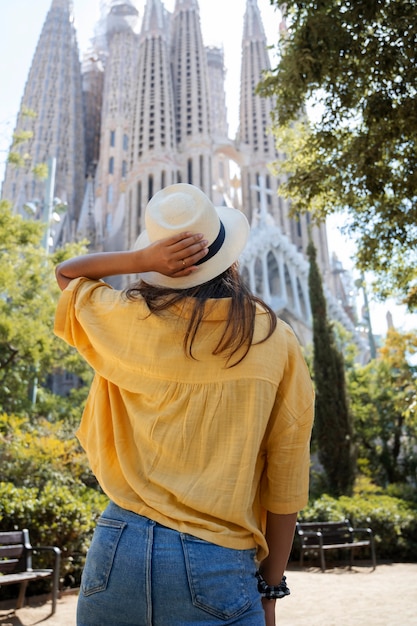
x=146 y=108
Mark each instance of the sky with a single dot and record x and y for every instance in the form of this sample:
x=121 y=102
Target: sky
x=222 y=25
x=21 y=23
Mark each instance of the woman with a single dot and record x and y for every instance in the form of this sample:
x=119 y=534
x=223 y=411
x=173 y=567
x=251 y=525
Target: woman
x=197 y=424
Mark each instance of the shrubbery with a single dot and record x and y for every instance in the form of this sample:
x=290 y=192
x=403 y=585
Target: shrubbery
x=56 y=515
x=48 y=488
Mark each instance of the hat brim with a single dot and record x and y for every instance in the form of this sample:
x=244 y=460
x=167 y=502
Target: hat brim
x=237 y=230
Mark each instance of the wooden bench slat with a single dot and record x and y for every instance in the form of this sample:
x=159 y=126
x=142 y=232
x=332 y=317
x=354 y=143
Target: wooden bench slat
x=336 y=546
x=11 y=536
x=8 y=566
x=7 y=552
x=21 y=576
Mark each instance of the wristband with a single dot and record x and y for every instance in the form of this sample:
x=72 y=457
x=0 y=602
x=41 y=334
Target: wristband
x=269 y=592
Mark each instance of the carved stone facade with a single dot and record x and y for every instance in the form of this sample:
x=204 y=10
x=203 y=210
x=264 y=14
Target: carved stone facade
x=53 y=98
x=155 y=114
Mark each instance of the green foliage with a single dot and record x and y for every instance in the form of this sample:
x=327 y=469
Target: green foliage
x=48 y=487
x=333 y=430
x=17 y=156
x=29 y=351
x=393 y=521
x=383 y=396
x=22 y=137
x=356 y=62
x=58 y=515
x=41 y=171
x=35 y=452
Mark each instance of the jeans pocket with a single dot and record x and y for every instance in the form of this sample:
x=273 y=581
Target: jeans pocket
x=218 y=577
x=100 y=555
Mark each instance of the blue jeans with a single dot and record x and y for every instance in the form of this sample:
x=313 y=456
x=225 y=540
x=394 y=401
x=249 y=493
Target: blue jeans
x=139 y=573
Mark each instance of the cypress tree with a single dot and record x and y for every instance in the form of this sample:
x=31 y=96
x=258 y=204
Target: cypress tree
x=333 y=429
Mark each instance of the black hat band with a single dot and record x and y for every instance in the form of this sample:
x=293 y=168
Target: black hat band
x=215 y=246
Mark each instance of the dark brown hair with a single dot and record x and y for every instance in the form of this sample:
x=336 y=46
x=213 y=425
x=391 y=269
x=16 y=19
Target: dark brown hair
x=239 y=327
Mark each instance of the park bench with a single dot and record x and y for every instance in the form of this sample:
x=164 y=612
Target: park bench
x=16 y=564
x=323 y=536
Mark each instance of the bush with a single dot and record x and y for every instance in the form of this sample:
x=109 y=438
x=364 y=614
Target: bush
x=46 y=488
x=34 y=452
x=393 y=521
x=58 y=515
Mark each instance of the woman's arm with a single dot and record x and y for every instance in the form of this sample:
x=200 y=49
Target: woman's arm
x=279 y=536
x=174 y=256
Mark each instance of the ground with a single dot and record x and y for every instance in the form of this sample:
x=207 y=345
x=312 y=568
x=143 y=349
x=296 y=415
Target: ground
x=338 y=597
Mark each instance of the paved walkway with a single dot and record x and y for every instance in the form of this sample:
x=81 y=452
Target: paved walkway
x=339 y=597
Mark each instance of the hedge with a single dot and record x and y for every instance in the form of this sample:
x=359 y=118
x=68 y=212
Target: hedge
x=57 y=515
x=66 y=516
x=393 y=521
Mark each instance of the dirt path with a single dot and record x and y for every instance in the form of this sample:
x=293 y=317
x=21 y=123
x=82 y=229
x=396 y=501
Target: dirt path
x=339 y=597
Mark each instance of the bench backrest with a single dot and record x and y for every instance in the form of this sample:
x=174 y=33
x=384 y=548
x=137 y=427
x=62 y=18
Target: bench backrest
x=15 y=551
x=332 y=532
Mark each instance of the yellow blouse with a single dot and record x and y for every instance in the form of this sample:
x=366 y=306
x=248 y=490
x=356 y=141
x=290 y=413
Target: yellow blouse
x=187 y=442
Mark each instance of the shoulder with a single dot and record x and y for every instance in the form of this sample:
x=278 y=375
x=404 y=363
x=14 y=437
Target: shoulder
x=283 y=331
x=86 y=289
x=86 y=294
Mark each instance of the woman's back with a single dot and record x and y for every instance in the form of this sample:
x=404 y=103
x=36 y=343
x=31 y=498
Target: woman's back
x=197 y=424
x=177 y=438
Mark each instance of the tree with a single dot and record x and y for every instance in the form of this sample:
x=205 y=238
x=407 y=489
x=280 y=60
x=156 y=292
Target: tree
x=333 y=429
x=356 y=64
x=384 y=404
x=29 y=351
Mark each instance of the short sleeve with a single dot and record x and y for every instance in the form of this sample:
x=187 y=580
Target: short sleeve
x=287 y=446
x=76 y=296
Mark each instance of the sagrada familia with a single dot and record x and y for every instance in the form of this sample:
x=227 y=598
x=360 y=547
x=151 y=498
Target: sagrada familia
x=146 y=108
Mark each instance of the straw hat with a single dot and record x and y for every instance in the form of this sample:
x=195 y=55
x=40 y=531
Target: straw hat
x=182 y=207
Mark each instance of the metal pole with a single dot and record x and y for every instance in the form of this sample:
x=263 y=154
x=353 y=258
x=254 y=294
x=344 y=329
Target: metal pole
x=49 y=202
x=48 y=207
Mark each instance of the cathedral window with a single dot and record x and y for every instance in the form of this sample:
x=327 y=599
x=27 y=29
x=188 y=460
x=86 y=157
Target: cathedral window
x=139 y=201
x=201 y=171
x=124 y=169
x=112 y=138
x=125 y=142
x=111 y=165
x=298 y=223
x=150 y=187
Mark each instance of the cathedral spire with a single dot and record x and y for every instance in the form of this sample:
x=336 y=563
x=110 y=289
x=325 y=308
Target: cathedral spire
x=154 y=18
x=123 y=17
x=118 y=91
x=53 y=93
x=192 y=99
x=62 y=4
x=255 y=134
x=253 y=29
x=153 y=155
